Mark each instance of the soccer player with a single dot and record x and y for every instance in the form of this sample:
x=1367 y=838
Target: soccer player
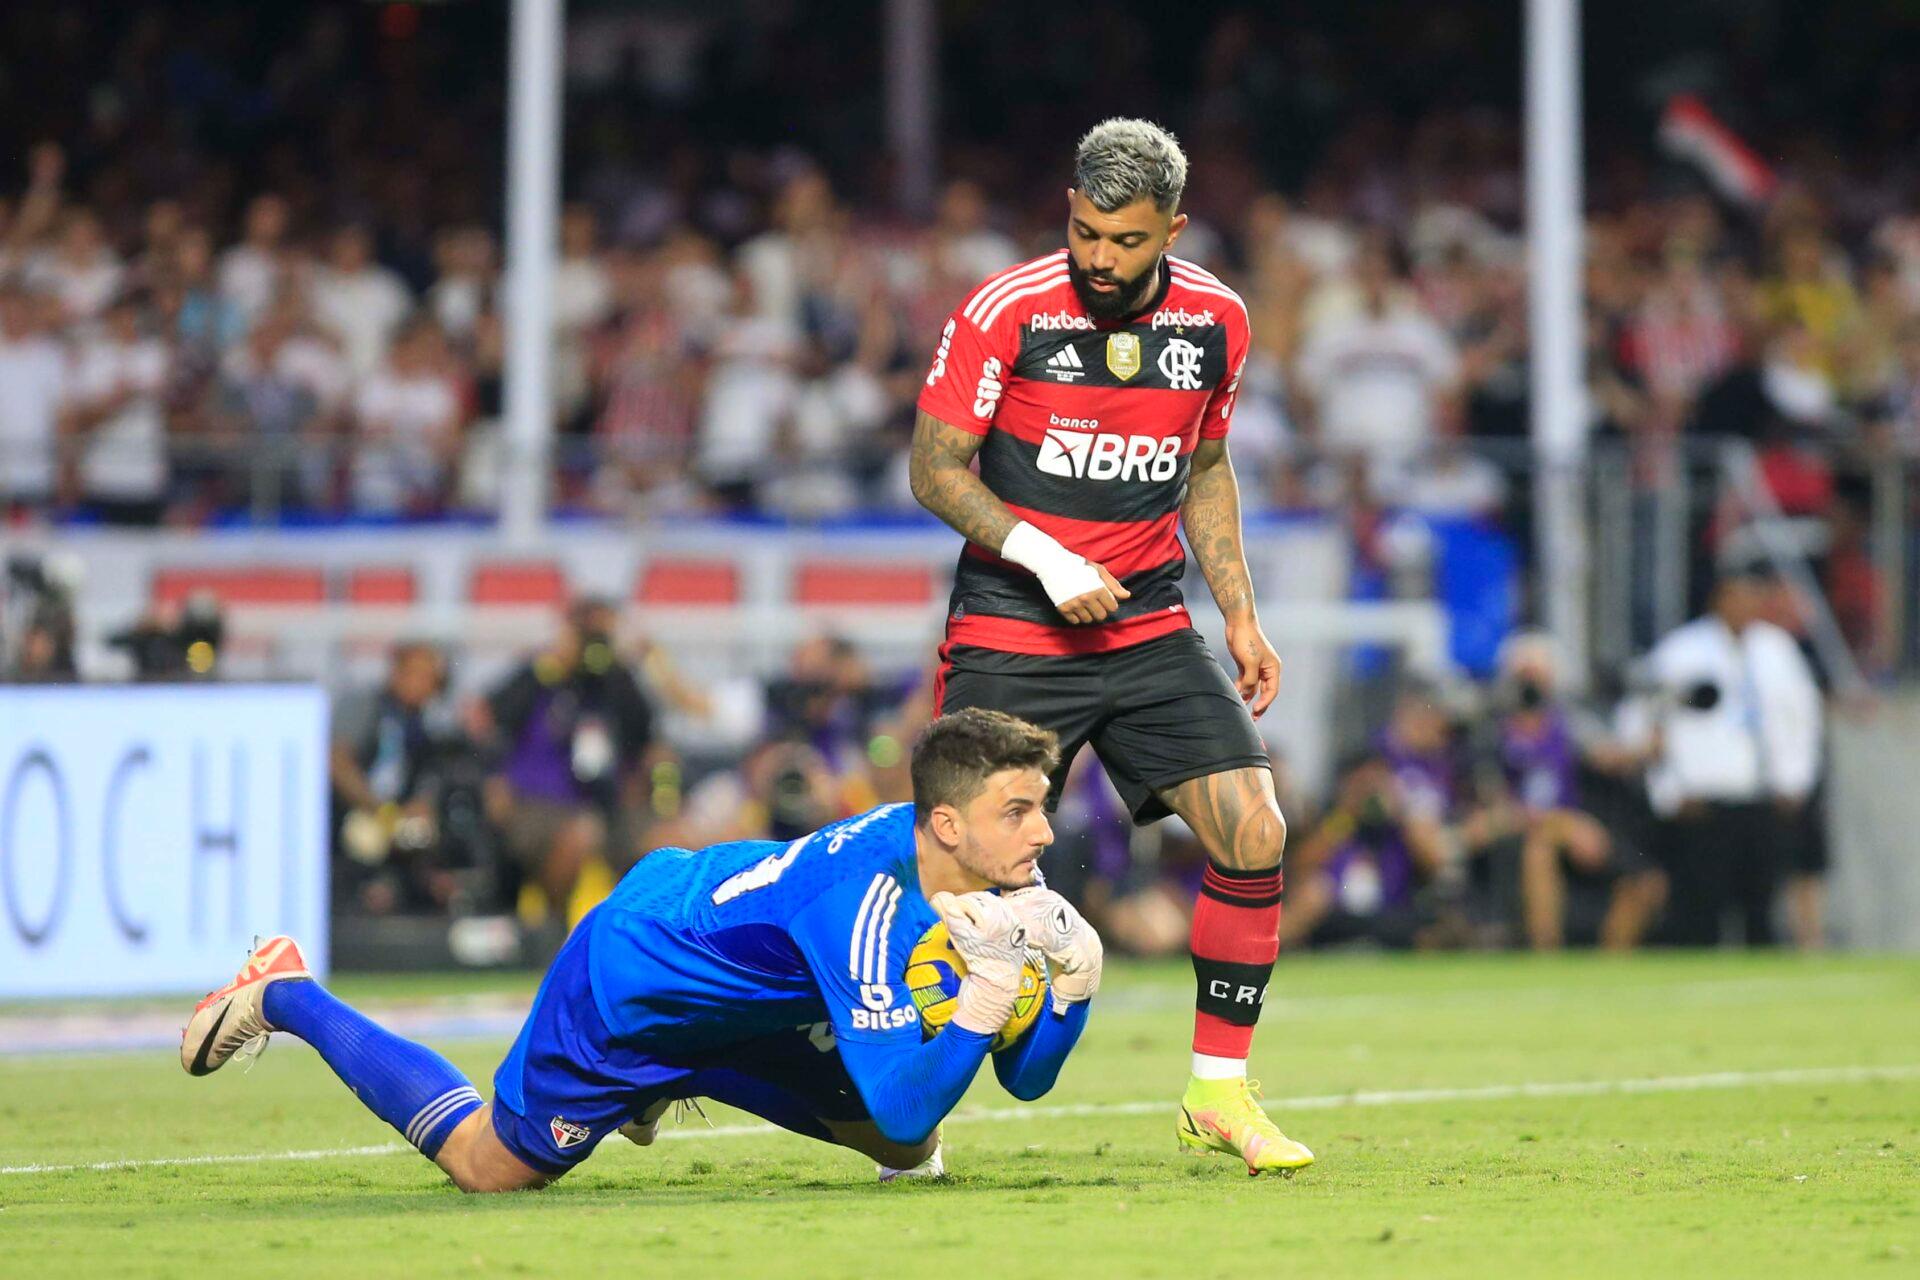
x=1094 y=387
x=707 y=974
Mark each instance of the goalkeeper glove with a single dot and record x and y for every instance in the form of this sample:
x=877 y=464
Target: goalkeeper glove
x=1062 y=934
x=993 y=942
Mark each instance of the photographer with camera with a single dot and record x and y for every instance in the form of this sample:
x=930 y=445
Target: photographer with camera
x=174 y=642
x=1358 y=875
x=37 y=626
x=394 y=847
x=567 y=730
x=1556 y=826
x=1736 y=717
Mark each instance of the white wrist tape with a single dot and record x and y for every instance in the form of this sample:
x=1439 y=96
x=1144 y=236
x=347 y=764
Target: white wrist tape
x=1062 y=574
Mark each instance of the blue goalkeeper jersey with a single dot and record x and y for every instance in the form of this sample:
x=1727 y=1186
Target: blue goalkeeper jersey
x=702 y=948
x=697 y=950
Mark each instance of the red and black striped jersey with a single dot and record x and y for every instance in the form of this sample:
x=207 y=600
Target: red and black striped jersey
x=1090 y=427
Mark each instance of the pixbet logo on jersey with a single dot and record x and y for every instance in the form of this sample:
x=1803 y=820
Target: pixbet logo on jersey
x=1067 y=450
x=1047 y=320
x=1181 y=318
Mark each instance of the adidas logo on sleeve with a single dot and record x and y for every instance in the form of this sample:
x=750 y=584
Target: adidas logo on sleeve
x=1065 y=365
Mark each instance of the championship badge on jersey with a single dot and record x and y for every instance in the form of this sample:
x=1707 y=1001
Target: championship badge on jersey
x=1123 y=354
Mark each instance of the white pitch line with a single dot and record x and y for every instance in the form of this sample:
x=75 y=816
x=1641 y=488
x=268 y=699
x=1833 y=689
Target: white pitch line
x=1313 y=1102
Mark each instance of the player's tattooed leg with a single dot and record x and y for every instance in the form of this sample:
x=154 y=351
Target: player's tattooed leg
x=1234 y=815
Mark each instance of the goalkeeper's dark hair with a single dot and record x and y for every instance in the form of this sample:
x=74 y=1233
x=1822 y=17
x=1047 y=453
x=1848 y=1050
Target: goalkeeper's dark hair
x=957 y=753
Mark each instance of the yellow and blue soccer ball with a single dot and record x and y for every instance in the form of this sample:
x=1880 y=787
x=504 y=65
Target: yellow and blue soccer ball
x=934 y=971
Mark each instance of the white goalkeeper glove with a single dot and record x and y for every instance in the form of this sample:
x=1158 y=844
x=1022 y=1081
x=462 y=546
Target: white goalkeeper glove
x=1063 y=575
x=1072 y=948
x=993 y=942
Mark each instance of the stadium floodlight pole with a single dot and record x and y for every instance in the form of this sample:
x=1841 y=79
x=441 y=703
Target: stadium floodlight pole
x=533 y=203
x=1556 y=321
x=913 y=83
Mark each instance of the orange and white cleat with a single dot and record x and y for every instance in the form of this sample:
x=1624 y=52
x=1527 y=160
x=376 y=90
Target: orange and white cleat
x=233 y=1018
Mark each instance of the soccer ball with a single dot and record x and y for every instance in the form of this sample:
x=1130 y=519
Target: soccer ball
x=934 y=971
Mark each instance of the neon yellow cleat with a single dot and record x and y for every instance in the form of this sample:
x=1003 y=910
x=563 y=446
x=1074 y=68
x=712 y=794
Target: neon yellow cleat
x=1222 y=1115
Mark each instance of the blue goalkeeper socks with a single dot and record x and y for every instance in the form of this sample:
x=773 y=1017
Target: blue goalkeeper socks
x=408 y=1085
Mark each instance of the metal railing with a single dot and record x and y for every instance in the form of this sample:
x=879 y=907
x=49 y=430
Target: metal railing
x=1657 y=514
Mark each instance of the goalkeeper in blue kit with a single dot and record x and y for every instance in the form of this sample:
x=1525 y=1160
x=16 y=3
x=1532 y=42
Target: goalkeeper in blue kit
x=766 y=976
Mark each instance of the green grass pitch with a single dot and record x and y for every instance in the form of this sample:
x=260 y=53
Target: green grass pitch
x=1474 y=1116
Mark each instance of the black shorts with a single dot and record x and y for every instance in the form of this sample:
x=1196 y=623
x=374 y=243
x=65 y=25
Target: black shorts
x=1157 y=713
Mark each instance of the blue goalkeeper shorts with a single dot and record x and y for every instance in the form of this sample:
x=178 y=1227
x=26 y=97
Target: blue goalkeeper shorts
x=566 y=1084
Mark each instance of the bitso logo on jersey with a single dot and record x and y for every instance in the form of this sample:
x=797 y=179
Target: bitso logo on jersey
x=934 y=971
x=568 y=1134
x=1123 y=355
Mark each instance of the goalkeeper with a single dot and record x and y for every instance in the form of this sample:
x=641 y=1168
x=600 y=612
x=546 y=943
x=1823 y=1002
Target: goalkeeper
x=708 y=974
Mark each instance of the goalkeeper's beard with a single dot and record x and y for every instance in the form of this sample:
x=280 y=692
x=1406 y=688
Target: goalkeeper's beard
x=977 y=862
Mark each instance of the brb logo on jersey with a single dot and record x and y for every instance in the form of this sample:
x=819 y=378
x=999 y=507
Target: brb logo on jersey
x=1068 y=450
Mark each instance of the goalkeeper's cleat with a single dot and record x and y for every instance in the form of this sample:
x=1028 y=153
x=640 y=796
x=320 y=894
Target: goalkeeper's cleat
x=934 y=1166
x=231 y=1021
x=1222 y=1115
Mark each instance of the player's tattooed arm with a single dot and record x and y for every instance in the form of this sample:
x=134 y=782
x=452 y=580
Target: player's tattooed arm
x=1210 y=514
x=940 y=470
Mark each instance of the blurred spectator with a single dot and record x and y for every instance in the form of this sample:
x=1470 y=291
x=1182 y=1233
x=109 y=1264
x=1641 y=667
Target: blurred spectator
x=280 y=393
x=120 y=380
x=1377 y=369
x=206 y=322
x=407 y=427
x=582 y=300
x=1736 y=717
x=34 y=383
x=358 y=301
x=254 y=272
x=82 y=273
x=468 y=282
x=570 y=728
x=1809 y=290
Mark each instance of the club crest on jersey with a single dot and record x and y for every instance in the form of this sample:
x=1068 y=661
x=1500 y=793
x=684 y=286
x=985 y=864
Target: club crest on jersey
x=568 y=1134
x=1123 y=355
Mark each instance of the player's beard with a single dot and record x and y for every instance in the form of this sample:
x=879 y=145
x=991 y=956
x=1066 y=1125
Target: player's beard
x=1128 y=298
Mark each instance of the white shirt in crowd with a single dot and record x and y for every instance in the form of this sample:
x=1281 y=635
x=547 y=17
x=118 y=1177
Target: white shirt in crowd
x=249 y=278
x=1759 y=741
x=84 y=289
x=33 y=387
x=363 y=310
x=1375 y=379
x=125 y=454
x=405 y=423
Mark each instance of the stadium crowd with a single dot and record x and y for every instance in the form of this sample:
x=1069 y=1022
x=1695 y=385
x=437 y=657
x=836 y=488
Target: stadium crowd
x=302 y=319
x=234 y=289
